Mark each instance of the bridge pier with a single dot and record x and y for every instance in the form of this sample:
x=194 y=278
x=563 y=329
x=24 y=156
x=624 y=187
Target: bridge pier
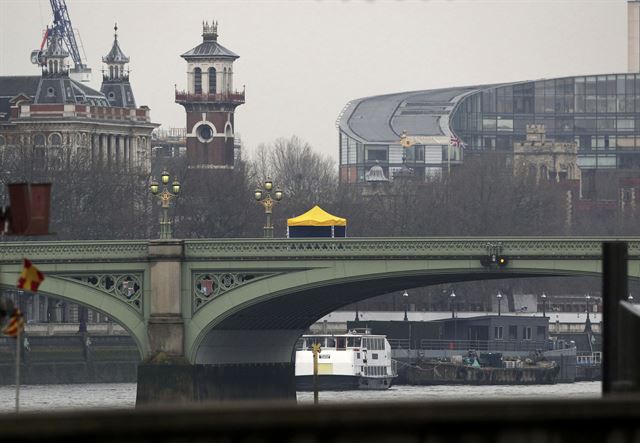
x=229 y=365
x=185 y=383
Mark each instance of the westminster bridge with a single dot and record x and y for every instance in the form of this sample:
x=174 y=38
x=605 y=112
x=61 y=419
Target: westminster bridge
x=220 y=318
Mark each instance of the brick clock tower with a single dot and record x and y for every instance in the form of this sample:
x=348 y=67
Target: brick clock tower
x=210 y=102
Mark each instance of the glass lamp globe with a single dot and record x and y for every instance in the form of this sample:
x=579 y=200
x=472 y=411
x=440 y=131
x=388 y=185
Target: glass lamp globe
x=175 y=187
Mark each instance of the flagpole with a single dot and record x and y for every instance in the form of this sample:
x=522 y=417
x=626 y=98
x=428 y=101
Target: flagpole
x=18 y=346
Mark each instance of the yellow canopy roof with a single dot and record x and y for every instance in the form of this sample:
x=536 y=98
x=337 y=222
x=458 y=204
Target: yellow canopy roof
x=316 y=216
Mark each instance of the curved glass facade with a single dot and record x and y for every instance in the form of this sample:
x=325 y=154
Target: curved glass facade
x=600 y=113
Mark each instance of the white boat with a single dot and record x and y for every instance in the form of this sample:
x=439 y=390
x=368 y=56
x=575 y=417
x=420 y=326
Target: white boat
x=355 y=360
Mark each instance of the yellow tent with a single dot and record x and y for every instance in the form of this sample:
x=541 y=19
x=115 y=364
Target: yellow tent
x=316 y=222
x=316 y=216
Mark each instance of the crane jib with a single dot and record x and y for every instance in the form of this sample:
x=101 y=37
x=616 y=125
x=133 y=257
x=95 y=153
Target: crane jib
x=62 y=26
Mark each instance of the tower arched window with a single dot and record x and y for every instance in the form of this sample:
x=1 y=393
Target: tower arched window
x=197 y=81
x=224 y=81
x=111 y=71
x=544 y=172
x=212 y=80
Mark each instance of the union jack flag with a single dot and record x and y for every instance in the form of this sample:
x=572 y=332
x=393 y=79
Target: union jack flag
x=455 y=141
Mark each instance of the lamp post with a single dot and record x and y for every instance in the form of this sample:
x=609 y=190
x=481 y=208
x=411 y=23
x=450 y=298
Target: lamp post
x=630 y=298
x=405 y=297
x=499 y=297
x=544 y=304
x=165 y=197
x=588 y=298
x=263 y=196
x=452 y=298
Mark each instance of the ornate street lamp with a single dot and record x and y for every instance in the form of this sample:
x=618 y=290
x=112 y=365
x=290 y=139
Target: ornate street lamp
x=405 y=296
x=452 y=297
x=499 y=297
x=165 y=197
x=544 y=304
x=263 y=196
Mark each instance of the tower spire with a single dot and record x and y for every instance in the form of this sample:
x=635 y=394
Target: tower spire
x=210 y=32
x=115 y=84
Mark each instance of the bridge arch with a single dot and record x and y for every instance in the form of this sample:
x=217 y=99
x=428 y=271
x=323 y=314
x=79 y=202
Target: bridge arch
x=265 y=318
x=77 y=292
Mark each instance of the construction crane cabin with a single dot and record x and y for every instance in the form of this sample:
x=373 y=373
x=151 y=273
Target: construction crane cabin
x=62 y=28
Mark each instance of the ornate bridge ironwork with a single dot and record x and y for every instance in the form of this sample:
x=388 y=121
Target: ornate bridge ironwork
x=231 y=287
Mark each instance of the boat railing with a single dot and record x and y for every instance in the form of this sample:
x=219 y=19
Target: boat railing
x=486 y=345
x=588 y=358
x=399 y=343
x=477 y=345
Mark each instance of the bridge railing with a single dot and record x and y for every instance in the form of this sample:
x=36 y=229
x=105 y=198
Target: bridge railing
x=294 y=249
x=399 y=247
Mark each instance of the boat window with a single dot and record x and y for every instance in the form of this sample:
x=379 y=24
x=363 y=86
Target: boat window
x=331 y=342
x=313 y=340
x=353 y=342
x=374 y=356
x=300 y=344
x=341 y=342
x=357 y=355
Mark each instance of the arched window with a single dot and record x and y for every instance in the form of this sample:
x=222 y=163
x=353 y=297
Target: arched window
x=39 y=140
x=111 y=71
x=212 y=80
x=55 y=140
x=197 y=81
x=544 y=172
x=224 y=81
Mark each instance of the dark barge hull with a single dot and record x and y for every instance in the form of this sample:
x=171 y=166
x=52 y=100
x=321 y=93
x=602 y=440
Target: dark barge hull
x=438 y=373
x=342 y=383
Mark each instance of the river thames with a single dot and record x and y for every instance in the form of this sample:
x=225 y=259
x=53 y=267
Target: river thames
x=123 y=395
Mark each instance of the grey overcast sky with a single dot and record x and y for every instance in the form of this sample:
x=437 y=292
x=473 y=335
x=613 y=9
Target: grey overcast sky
x=302 y=61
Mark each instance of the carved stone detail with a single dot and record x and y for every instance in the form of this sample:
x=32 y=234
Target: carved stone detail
x=209 y=285
x=126 y=288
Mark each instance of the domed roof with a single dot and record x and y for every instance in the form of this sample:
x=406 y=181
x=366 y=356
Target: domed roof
x=376 y=174
x=55 y=48
x=115 y=55
x=209 y=46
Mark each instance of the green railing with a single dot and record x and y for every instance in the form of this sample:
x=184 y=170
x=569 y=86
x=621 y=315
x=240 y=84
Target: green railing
x=294 y=249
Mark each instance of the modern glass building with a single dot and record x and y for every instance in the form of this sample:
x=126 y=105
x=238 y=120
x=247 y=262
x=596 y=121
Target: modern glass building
x=600 y=113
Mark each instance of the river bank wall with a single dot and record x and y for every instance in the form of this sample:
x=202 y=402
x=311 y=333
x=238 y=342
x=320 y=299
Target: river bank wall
x=70 y=359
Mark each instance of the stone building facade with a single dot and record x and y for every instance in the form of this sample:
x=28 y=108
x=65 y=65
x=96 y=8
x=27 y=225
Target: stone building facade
x=51 y=119
x=545 y=159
